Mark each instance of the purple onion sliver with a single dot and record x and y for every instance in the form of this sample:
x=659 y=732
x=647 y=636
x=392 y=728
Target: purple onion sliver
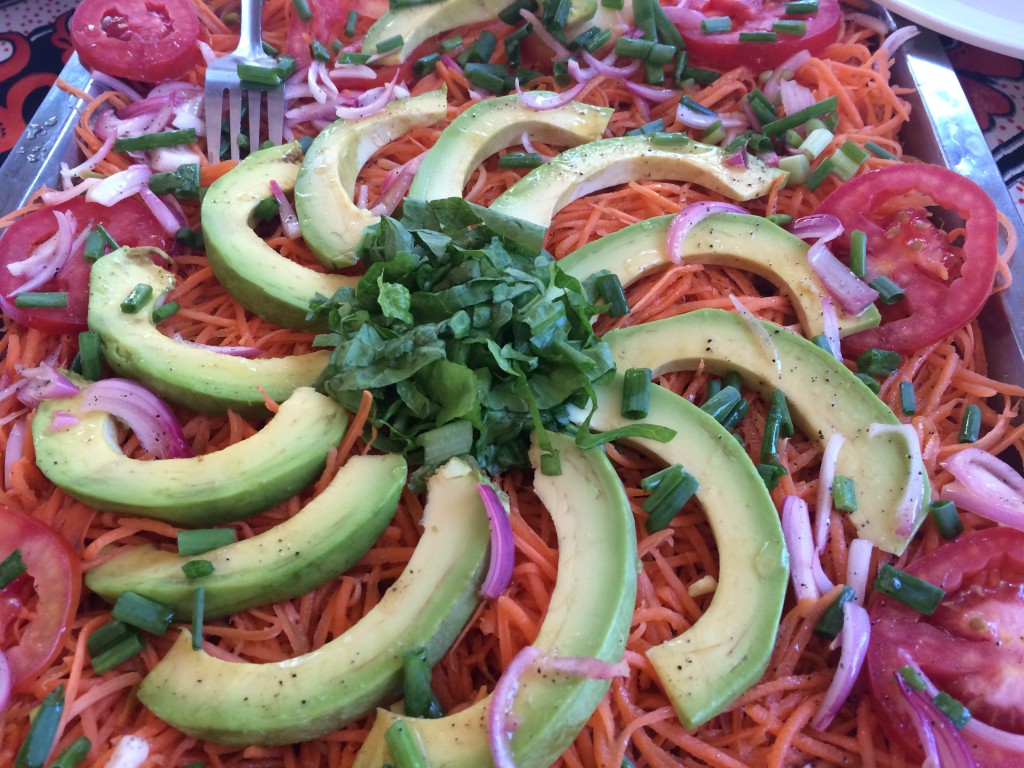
x=62 y=420
x=500 y=709
x=165 y=217
x=817 y=226
x=604 y=66
x=503 y=548
x=691 y=118
x=15 y=448
x=858 y=566
x=826 y=476
x=289 y=219
x=541 y=102
x=687 y=219
x=943 y=744
x=148 y=416
x=738 y=159
x=6 y=682
x=796 y=529
x=373 y=107
x=653 y=94
x=855 y=636
x=585 y=666
x=852 y=293
x=830 y=326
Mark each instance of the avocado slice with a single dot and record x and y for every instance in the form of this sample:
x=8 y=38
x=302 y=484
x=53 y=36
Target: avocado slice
x=304 y=697
x=417 y=23
x=494 y=124
x=322 y=540
x=250 y=476
x=823 y=395
x=589 y=615
x=330 y=220
x=705 y=668
x=601 y=164
x=261 y=280
x=727 y=240
x=198 y=378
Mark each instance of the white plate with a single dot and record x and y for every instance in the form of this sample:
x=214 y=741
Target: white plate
x=997 y=25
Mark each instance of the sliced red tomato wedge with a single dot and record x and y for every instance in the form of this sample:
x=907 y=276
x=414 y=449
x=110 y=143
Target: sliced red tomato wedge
x=972 y=647
x=327 y=24
x=129 y=222
x=945 y=285
x=726 y=50
x=53 y=568
x=146 y=40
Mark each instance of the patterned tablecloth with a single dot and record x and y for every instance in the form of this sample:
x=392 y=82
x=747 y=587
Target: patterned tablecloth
x=34 y=45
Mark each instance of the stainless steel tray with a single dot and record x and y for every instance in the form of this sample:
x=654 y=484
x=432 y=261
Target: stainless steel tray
x=942 y=131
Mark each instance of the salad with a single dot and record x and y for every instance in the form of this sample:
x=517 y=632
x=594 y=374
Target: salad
x=579 y=383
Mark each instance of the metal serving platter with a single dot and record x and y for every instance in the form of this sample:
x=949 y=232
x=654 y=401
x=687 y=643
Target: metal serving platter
x=942 y=131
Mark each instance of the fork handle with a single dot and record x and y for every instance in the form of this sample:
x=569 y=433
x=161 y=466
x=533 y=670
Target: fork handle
x=251 y=28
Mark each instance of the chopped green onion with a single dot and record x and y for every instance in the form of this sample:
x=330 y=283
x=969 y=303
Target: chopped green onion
x=649 y=483
x=790 y=27
x=970 y=425
x=831 y=621
x=404 y=749
x=777 y=422
x=889 y=290
x=946 y=518
x=908 y=403
x=771 y=473
x=425 y=64
x=679 y=68
x=198 y=609
x=778 y=400
x=859 y=253
x=73 y=756
x=878 y=362
x=716 y=25
x=909 y=590
x=633 y=48
x=800 y=117
x=480 y=50
x=797 y=166
x=165 y=310
x=643 y=14
x=266 y=209
x=95 y=246
x=801 y=7
x=193 y=238
x=41 y=300
x=714 y=133
x=442 y=443
x=675 y=487
x=664 y=139
x=793 y=139
x=89 y=360
x=353 y=57
x=820 y=173
x=869 y=382
x=270 y=50
x=350 y=23
x=912 y=678
x=487 y=76
x=138 y=611
x=560 y=71
x=665 y=29
x=259 y=74
x=127 y=648
x=521 y=160
x=615 y=5
x=764 y=112
x=718 y=407
x=736 y=414
x=303 y=10
x=390 y=44
x=714 y=386
x=452 y=43
x=133 y=302
x=733 y=379
x=420 y=699
x=592 y=39
x=779 y=219
x=556 y=14
x=848 y=160
x=878 y=151
x=510 y=15
x=659 y=434
x=957 y=713
x=162 y=184
x=201 y=540
x=817 y=141
x=701 y=76
x=758 y=36
x=106 y=637
x=636 y=393
x=197 y=569
x=648 y=128
x=41 y=733
x=14 y=565
x=155 y=140
x=821 y=341
x=319 y=51
x=609 y=288
x=844 y=494
x=660 y=54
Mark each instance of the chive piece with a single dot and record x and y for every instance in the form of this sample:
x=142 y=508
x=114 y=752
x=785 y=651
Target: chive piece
x=660 y=54
x=800 y=117
x=889 y=290
x=403 y=747
x=665 y=29
x=797 y=166
x=592 y=39
x=633 y=48
x=609 y=288
x=560 y=71
x=90 y=358
x=42 y=300
x=556 y=14
x=970 y=426
x=425 y=64
x=714 y=386
x=134 y=301
x=772 y=427
x=679 y=68
x=510 y=14
x=270 y=50
x=615 y=5
x=451 y=44
x=636 y=393
x=716 y=25
x=869 y=382
x=202 y=540
x=193 y=238
x=912 y=677
x=859 y=253
x=350 y=23
x=521 y=160
x=197 y=569
x=14 y=565
x=155 y=140
x=758 y=36
x=878 y=362
x=319 y=51
x=673 y=490
x=643 y=13
x=718 y=407
x=946 y=518
x=779 y=219
x=771 y=473
x=736 y=414
x=819 y=174
x=908 y=403
x=909 y=590
x=198 y=609
x=816 y=142
x=793 y=139
x=303 y=10
x=733 y=379
x=259 y=74
x=844 y=494
x=714 y=133
x=801 y=7
x=669 y=140
x=116 y=655
x=486 y=77
x=821 y=340
x=701 y=76
x=957 y=713
x=165 y=310
x=878 y=151
x=107 y=636
x=481 y=50
x=353 y=57
x=138 y=611
x=648 y=128
x=266 y=209
x=790 y=27
x=390 y=44
x=41 y=733
x=73 y=756
x=188 y=181
x=848 y=160
x=95 y=246
x=778 y=400
x=163 y=183
x=442 y=443
x=420 y=699
x=831 y=621
x=649 y=483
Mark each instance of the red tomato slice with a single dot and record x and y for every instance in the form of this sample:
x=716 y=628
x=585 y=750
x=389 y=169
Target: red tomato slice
x=725 y=51
x=54 y=569
x=327 y=24
x=129 y=222
x=972 y=647
x=945 y=286
x=146 y=40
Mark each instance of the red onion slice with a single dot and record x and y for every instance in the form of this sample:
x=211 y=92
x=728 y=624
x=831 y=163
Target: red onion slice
x=653 y=94
x=90 y=162
x=46 y=259
x=503 y=548
x=942 y=743
x=289 y=219
x=852 y=293
x=910 y=502
x=500 y=710
x=855 y=636
x=373 y=107
x=684 y=17
x=826 y=477
x=796 y=529
x=578 y=74
x=830 y=326
x=687 y=219
x=6 y=682
x=986 y=486
x=233 y=351
x=691 y=118
x=15 y=448
x=898 y=38
x=113 y=84
x=795 y=97
x=607 y=69
x=738 y=159
x=55 y=197
x=164 y=215
x=398 y=188
x=541 y=101
x=873 y=23
x=786 y=70
x=585 y=666
x=858 y=568
x=44 y=382
x=146 y=415
x=62 y=420
x=120 y=185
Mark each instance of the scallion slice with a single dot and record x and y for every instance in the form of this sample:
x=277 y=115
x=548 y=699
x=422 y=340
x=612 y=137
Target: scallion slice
x=797 y=166
x=908 y=402
x=155 y=140
x=831 y=621
x=510 y=14
x=135 y=300
x=95 y=246
x=820 y=173
x=451 y=44
x=736 y=414
x=675 y=487
x=648 y=128
x=106 y=637
x=201 y=540
x=970 y=424
x=758 y=36
x=859 y=253
x=403 y=747
x=733 y=379
x=779 y=219
x=615 y=5
x=946 y=517
x=714 y=133
x=197 y=569
x=41 y=733
x=74 y=755
x=350 y=23
x=878 y=151
x=665 y=139
x=609 y=288
x=771 y=473
x=889 y=291
x=138 y=611
x=633 y=48
x=11 y=568
x=319 y=51
x=869 y=382
x=420 y=699
x=127 y=648
x=848 y=160
x=800 y=117
x=844 y=494
x=636 y=393
x=912 y=677
x=442 y=443
x=790 y=27
x=165 y=310
x=41 y=300
x=909 y=590
x=801 y=7
x=716 y=25
x=957 y=713
x=390 y=44
x=425 y=64
x=303 y=10
x=821 y=340
x=720 y=404
x=198 y=609
x=878 y=362
x=521 y=160
x=353 y=57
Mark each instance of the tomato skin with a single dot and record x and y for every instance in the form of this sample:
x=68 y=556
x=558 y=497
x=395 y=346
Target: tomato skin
x=129 y=222
x=970 y=647
x=54 y=568
x=725 y=51
x=933 y=307
x=129 y=39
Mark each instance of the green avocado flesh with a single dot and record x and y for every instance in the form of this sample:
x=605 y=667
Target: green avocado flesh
x=727 y=240
x=304 y=697
x=330 y=220
x=495 y=124
x=705 y=668
x=198 y=378
x=254 y=474
x=823 y=395
x=589 y=615
x=258 y=277
x=322 y=540
x=545 y=190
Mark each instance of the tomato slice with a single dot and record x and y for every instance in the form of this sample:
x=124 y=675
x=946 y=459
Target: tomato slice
x=327 y=23
x=972 y=647
x=725 y=51
x=146 y=40
x=54 y=568
x=129 y=222
x=945 y=286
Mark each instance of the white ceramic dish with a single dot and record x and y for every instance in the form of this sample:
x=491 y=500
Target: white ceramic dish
x=997 y=25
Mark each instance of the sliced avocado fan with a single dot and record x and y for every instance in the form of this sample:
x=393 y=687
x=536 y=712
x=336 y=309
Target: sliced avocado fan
x=723 y=239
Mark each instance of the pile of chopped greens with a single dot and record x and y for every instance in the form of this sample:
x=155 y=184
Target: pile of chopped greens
x=468 y=335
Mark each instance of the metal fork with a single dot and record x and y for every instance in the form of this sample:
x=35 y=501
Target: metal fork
x=222 y=75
